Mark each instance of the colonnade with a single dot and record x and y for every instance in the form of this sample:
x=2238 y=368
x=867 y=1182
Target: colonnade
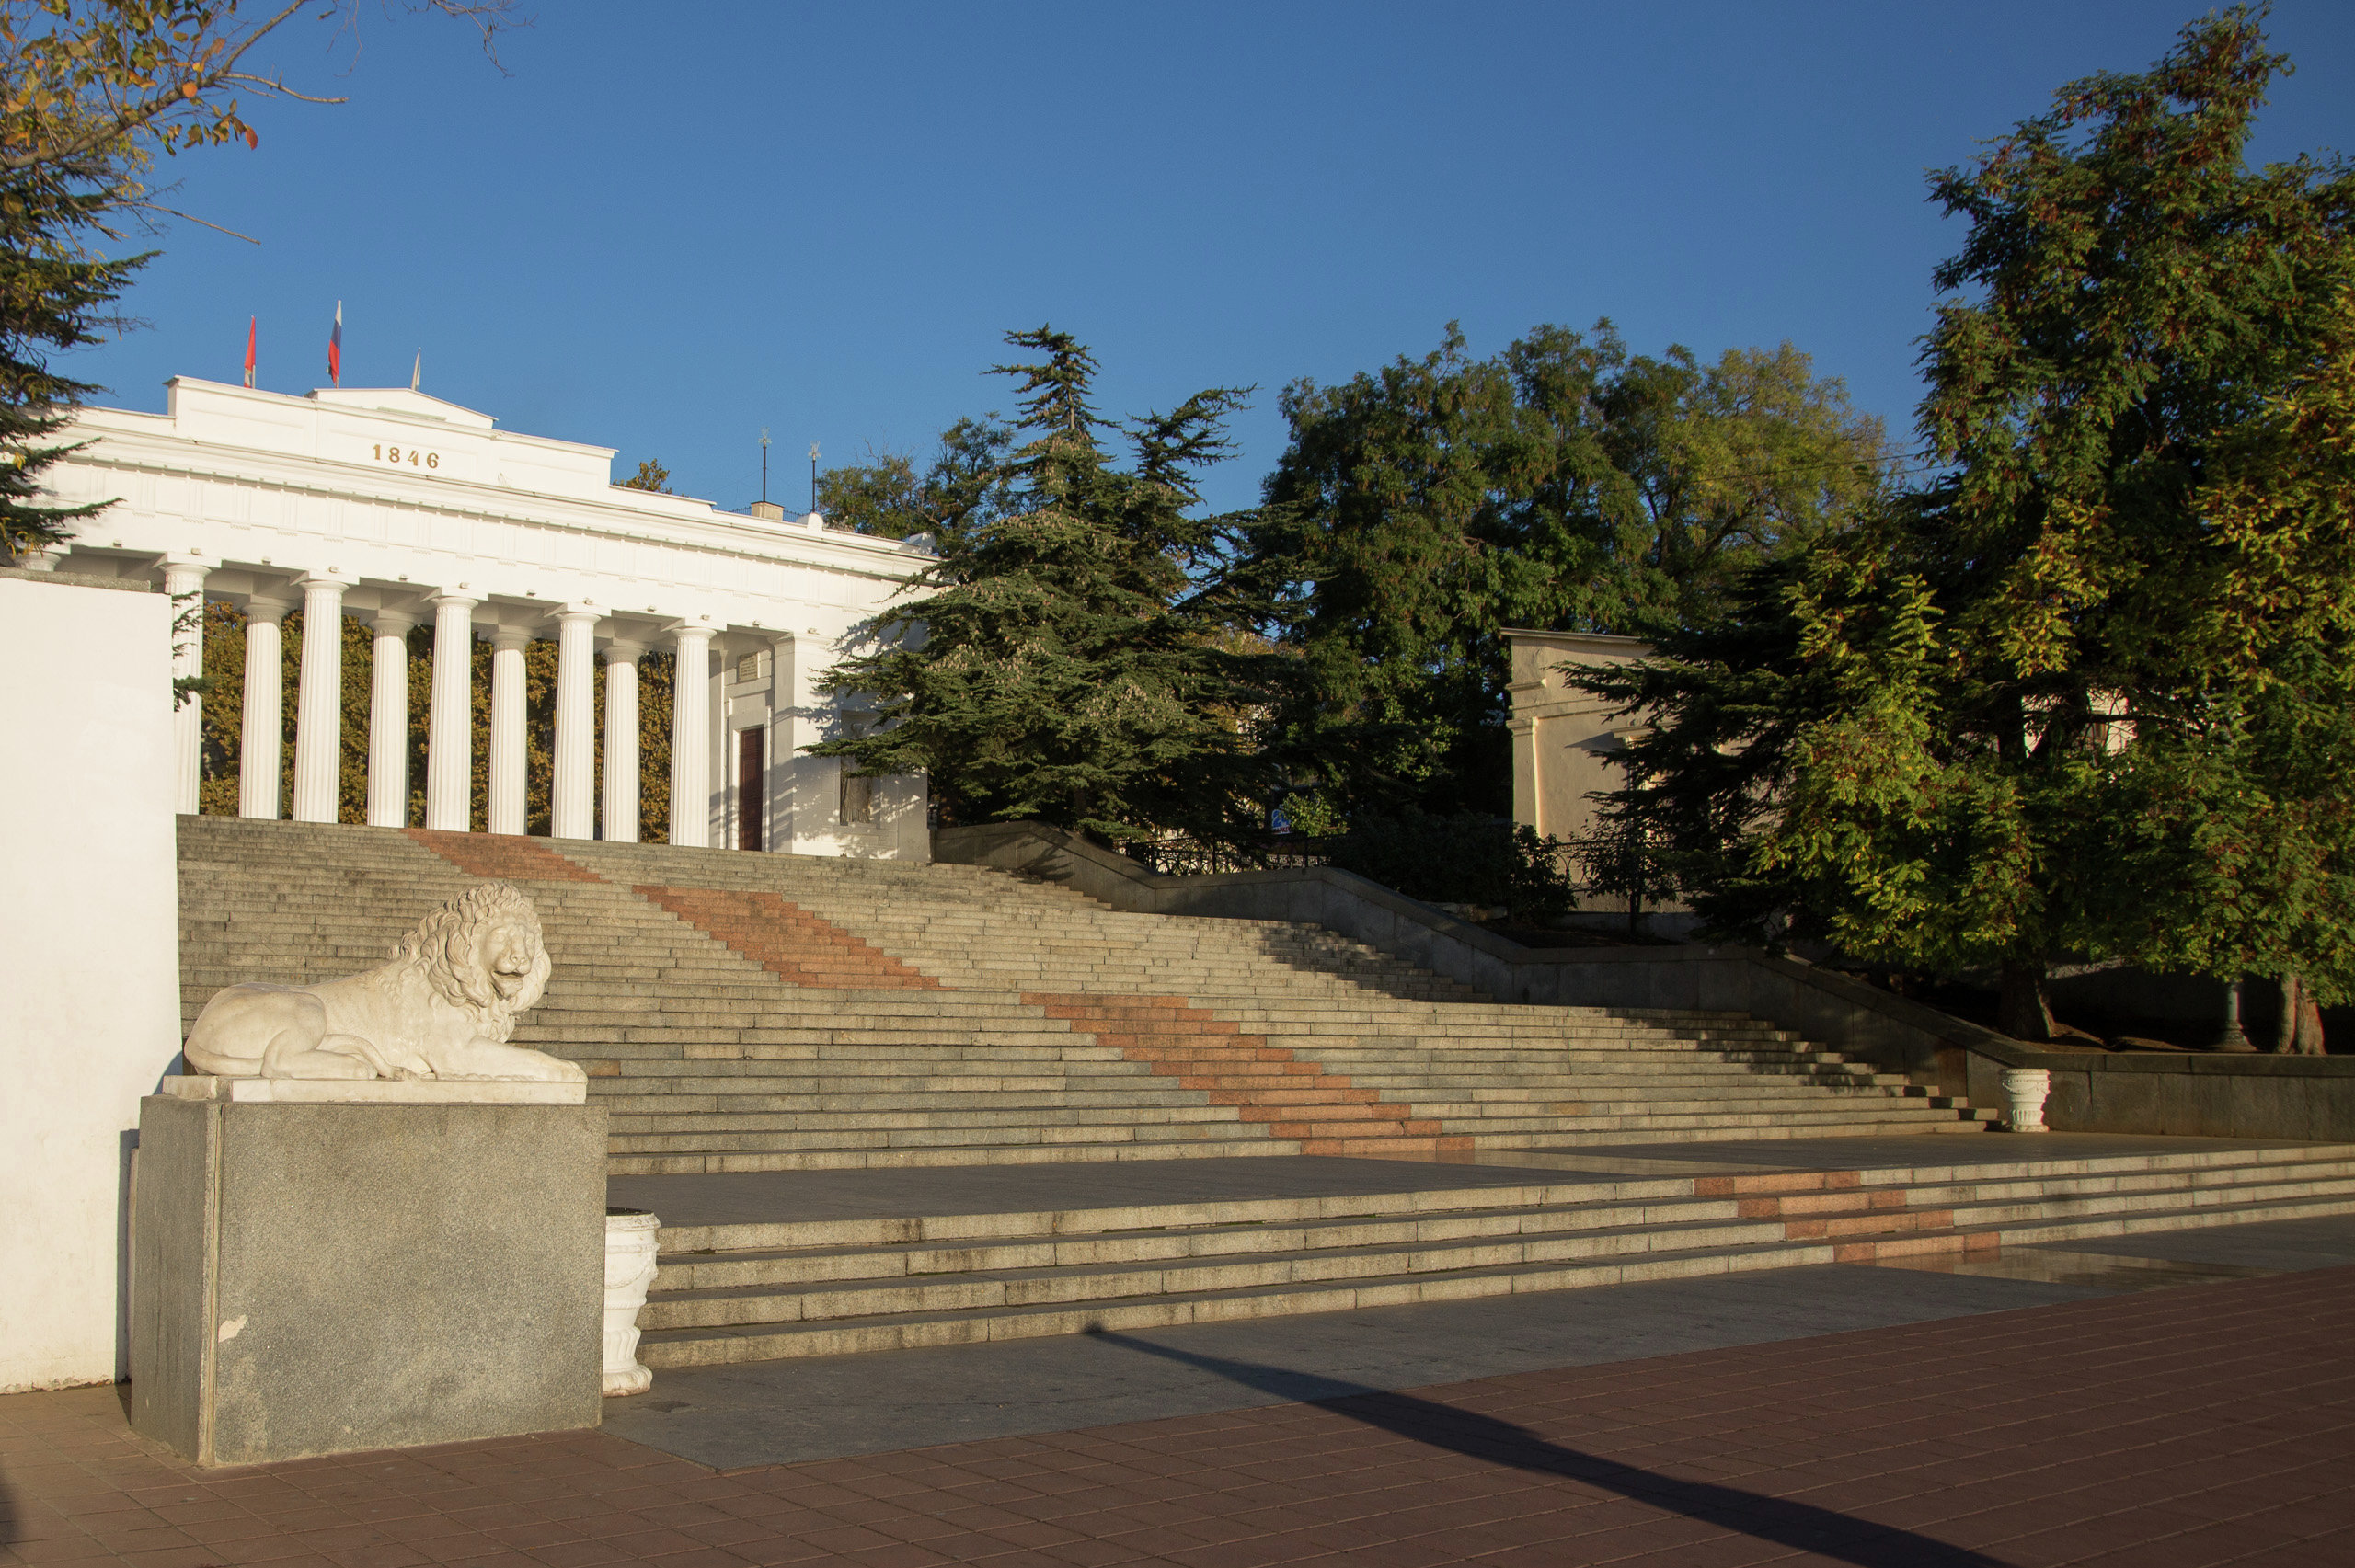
x=449 y=741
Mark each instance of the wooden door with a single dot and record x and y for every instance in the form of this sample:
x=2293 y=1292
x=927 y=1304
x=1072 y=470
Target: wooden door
x=750 y=803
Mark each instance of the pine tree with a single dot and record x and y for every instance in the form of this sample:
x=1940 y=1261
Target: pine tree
x=54 y=299
x=964 y=486
x=1064 y=662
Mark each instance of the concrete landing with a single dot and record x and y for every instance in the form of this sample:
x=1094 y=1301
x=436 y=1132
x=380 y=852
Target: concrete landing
x=1905 y=1150
x=751 y=1197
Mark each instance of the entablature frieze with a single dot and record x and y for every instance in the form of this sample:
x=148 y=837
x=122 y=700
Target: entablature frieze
x=838 y=553
x=252 y=491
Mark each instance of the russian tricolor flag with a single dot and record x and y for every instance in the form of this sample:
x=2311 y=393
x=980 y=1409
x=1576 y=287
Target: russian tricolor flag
x=335 y=347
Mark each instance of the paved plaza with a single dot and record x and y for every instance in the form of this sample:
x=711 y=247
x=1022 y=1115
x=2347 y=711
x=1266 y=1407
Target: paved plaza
x=2174 y=1398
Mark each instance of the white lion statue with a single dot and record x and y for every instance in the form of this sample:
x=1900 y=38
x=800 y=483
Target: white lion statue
x=443 y=1008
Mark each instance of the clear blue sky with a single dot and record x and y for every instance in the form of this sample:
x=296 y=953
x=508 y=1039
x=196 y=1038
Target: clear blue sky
x=672 y=225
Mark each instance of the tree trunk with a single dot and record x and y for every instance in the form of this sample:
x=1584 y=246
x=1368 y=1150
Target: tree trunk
x=2309 y=1041
x=2023 y=1010
x=2288 y=992
x=2298 y=1030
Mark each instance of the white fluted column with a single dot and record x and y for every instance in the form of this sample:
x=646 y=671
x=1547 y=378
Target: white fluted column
x=263 y=732
x=691 y=739
x=573 y=792
x=183 y=578
x=318 y=702
x=507 y=754
x=388 y=721
x=450 y=721
x=621 y=741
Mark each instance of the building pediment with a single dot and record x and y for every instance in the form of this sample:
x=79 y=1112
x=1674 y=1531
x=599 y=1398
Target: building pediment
x=401 y=400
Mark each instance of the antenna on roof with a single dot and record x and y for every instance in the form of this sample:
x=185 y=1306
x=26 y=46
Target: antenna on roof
x=417 y=370
x=813 y=475
x=765 y=466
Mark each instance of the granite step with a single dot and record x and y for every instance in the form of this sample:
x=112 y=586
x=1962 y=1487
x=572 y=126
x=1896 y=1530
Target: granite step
x=786 y=1011
x=740 y=1293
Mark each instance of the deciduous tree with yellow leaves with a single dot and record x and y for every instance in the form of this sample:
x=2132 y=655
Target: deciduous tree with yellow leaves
x=2086 y=693
x=92 y=93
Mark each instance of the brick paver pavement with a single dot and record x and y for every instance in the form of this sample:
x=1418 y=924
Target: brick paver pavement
x=2194 y=1425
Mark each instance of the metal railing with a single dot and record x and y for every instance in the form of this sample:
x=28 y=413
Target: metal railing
x=1199 y=857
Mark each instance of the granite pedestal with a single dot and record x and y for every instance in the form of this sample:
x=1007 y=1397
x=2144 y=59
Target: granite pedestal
x=317 y=1278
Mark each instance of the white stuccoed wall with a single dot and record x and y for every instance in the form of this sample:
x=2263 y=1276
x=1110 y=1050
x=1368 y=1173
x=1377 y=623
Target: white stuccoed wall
x=89 y=967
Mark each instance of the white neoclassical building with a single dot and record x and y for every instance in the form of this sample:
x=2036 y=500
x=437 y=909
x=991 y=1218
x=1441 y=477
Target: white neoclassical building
x=402 y=510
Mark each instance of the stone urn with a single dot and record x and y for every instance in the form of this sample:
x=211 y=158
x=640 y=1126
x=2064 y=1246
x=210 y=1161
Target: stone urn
x=629 y=1269
x=2024 y=1089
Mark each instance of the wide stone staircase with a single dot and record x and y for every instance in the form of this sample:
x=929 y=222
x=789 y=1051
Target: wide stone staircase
x=745 y=1018
x=751 y=1292
x=760 y=1013
x=1278 y=1018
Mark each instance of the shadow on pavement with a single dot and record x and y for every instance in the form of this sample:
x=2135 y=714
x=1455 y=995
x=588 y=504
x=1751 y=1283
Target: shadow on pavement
x=1801 y=1525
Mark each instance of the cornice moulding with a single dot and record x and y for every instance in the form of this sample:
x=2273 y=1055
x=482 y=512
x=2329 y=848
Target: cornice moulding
x=854 y=555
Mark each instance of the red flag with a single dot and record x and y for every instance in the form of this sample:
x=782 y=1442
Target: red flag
x=252 y=331
x=335 y=347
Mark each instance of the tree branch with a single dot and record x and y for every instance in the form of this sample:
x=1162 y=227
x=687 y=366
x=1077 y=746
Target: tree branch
x=176 y=212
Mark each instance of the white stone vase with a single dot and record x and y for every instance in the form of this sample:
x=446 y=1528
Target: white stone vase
x=2025 y=1088
x=629 y=1269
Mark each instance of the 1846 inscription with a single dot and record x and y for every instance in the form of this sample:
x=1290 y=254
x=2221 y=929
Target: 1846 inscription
x=408 y=457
